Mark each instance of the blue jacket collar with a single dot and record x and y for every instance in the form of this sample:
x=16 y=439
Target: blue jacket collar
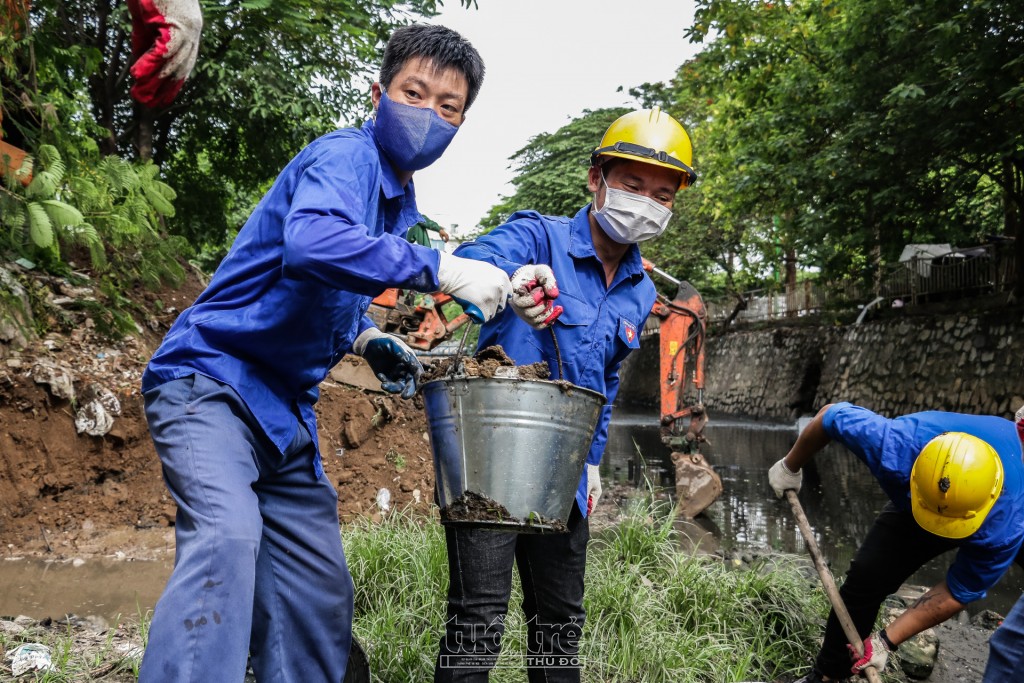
x=389 y=183
x=581 y=246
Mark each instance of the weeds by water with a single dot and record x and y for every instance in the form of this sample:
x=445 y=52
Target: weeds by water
x=654 y=614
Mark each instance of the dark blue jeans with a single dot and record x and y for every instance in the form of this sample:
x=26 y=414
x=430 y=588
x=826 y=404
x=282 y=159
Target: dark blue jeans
x=551 y=567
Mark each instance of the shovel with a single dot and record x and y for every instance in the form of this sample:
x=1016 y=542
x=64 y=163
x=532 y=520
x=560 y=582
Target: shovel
x=829 y=583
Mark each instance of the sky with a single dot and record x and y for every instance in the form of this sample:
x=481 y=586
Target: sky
x=546 y=61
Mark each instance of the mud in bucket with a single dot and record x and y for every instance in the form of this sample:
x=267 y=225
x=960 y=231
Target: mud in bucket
x=509 y=453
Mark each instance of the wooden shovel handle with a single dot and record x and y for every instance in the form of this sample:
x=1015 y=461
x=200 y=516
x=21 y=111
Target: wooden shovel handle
x=829 y=583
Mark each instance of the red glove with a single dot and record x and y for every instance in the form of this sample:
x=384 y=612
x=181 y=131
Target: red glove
x=165 y=43
x=534 y=291
x=876 y=654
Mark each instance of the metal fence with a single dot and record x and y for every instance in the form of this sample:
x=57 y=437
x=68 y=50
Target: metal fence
x=958 y=274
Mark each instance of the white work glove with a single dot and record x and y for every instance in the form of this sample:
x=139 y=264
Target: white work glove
x=480 y=288
x=534 y=291
x=876 y=654
x=392 y=361
x=594 y=489
x=781 y=478
x=165 y=43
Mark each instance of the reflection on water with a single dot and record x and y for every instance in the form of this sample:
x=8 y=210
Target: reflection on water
x=106 y=588
x=839 y=495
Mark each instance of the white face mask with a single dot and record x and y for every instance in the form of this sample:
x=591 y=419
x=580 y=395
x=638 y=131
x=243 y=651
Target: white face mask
x=630 y=218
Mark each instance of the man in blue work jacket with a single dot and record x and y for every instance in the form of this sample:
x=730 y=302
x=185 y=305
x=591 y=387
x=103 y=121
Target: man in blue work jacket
x=954 y=481
x=259 y=567
x=603 y=298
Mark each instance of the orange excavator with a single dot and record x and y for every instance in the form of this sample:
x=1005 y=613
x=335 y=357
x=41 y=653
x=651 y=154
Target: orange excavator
x=423 y=324
x=683 y=324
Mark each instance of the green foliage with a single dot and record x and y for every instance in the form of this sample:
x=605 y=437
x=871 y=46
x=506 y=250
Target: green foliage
x=34 y=219
x=842 y=142
x=653 y=613
x=822 y=138
x=113 y=204
x=112 y=209
x=270 y=77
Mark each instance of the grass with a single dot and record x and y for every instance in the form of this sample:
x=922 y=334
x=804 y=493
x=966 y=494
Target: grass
x=654 y=614
x=77 y=654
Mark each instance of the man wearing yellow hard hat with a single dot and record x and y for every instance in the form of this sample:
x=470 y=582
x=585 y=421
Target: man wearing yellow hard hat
x=582 y=277
x=954 y=481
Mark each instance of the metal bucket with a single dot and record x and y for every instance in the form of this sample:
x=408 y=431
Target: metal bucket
x=509 y=453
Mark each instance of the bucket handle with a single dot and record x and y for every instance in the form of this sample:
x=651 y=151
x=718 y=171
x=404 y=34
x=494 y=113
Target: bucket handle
x=558 y=353
x=457 y=360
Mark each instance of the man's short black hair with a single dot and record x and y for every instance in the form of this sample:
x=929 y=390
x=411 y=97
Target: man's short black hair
x=442 y=46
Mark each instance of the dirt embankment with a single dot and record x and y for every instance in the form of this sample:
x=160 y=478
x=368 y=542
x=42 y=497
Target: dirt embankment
x=67 y=493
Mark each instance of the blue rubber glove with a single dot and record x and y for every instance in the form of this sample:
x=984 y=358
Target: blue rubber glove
x=394 y=363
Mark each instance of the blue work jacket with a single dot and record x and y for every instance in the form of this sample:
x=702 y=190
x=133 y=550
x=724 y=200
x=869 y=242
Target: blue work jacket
x=290 y=297
x=889 y=448
x=600 y=325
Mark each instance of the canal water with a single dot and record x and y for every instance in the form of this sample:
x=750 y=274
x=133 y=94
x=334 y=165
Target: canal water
x=839 y=496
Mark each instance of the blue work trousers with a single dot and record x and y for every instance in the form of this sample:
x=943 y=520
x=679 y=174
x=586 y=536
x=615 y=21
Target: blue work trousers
x=259 y=567
x=1006 y=648
x=551 y=567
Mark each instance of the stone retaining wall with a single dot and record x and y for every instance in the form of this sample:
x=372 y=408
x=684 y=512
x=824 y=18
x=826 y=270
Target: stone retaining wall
x=958 y=362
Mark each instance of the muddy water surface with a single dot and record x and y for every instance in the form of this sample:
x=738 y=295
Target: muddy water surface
x=839 y=496
x=107 y=588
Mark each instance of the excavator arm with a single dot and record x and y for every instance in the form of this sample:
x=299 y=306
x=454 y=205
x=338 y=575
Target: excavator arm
x=682 y=330
x=681 y=360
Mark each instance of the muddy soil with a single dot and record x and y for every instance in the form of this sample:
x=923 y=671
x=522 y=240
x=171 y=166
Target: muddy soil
x=473 y=507
x=66 y=494
x=489 y=362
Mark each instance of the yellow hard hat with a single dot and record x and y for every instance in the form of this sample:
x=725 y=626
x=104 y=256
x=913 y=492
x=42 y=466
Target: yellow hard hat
x=650 y=136
x=956 y=480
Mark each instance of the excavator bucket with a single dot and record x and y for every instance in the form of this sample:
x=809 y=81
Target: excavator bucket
x=697 y=483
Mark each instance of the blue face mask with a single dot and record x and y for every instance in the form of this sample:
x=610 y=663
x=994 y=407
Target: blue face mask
x=412 y=137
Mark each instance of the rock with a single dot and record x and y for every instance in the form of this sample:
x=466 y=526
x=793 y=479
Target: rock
x=16 y=317
x=987 y=619
x=359 y=423
x=918 y=654
x=355 y=431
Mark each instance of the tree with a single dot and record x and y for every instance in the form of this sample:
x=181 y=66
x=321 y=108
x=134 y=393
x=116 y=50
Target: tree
x=551 y=170
x=271 y=76
x=862 y=139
